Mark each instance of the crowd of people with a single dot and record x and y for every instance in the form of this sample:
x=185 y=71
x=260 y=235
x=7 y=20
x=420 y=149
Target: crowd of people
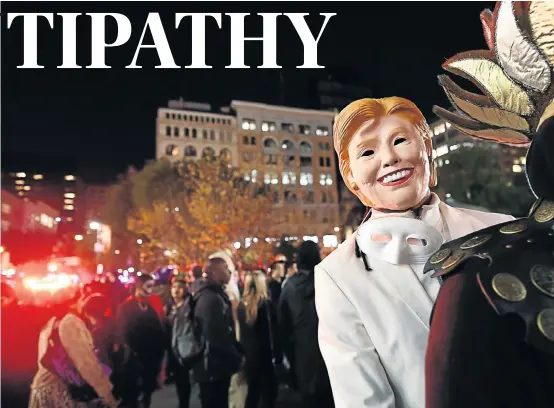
x=236 y=335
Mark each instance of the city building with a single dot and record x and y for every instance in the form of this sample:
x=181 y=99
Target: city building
x=23 y=215
x=63 y=192
x=96 y=198
x=191 y=130
x=289 y=149
x=447 y=139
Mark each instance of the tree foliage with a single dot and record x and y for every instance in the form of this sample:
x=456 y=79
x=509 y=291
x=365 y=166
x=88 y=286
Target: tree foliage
x=475 y=176
x=184 y=212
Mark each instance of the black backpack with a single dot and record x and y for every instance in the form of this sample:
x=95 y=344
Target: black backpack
x=187 y=342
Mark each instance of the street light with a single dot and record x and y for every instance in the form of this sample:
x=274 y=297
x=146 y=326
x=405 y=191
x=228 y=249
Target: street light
x=94 y=225
x=139 y=241
x=78 y=237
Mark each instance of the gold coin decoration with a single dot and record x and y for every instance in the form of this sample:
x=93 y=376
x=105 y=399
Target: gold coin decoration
x=509 y=287
x=542 y=277
x=440 y=256
x=514 y=228
x=545 y=212
x=453 y=260
x=545 y=322
x=475 y=241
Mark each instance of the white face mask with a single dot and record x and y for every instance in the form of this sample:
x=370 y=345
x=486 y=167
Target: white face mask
x=398 y=240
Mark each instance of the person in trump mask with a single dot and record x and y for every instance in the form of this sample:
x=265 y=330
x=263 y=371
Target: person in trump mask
x=373 y=300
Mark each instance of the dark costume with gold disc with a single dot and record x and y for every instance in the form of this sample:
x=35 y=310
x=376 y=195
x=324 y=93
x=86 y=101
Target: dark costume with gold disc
x=492 y=332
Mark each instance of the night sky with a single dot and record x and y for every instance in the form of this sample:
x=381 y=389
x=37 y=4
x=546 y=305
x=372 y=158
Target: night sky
x=103 y=120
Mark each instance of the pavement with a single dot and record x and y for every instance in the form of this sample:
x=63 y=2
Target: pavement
x=167 y=398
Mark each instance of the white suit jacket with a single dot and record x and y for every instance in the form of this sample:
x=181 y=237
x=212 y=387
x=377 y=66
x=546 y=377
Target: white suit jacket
x=374 y=325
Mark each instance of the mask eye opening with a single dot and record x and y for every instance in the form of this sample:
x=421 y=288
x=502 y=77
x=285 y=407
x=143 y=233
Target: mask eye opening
x=420 y=242
x=380 y=237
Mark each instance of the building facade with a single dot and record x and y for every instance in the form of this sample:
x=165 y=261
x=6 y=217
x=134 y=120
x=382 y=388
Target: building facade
x=289 y=150
x=63 y=192
x=189 y=130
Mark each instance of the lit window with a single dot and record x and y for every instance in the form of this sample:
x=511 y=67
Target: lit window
x=289 y=177
x=20 y=174
x=38 y=177
x=69 y=177
x=68 y=201
x=69 y=195
x=68 y=207
x=20 y=182
x=322 y=131
x=27 y=188
x=310 y=238
x=330 y=241
x=304 y=129
x=523 y=160
x=271 y=177
x=268 y=126
x=306 y=179
x=516 y=168
x=442 y=150
x=249 y=124
x=454 y=147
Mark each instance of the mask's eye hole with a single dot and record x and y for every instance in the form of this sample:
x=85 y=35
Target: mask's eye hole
x=381 y=238
x=416 y=242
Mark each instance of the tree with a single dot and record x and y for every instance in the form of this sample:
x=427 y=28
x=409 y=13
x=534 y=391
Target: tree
x=474 y=176
x=204 y=206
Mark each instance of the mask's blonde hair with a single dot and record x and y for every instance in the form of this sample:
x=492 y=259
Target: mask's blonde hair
x=358 y=113
x=255 y=292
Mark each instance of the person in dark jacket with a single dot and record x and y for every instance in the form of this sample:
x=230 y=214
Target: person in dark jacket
x=275 y=280
x=176 y=315
x=142 y=330
x=223 y=356
x=259 y=338
x=491 y=343
x=298 y=324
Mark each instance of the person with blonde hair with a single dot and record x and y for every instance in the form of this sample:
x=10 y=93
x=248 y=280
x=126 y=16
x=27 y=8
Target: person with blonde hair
x=257 y=319
x=373 y=300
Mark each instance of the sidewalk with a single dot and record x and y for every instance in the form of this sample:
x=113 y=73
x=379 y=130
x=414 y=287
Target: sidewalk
x=167 y=398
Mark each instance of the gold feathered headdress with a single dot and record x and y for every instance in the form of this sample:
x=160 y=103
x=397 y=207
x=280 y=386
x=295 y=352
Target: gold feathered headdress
x=516 y=75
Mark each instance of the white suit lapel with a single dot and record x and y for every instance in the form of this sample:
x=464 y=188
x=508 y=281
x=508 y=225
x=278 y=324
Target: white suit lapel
x=404 y=282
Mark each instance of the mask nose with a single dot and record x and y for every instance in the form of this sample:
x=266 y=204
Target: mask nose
x=389 y=157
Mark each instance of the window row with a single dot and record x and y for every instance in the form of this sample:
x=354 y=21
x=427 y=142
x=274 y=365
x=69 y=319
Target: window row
x=308 y=198
x=288 y=178
x=191 y=151
x=196 y=118
x=207 y=134
x=250 y=124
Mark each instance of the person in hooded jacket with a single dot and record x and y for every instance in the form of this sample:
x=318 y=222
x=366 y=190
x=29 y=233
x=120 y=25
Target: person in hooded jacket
x=223 y=356
x=298 y=323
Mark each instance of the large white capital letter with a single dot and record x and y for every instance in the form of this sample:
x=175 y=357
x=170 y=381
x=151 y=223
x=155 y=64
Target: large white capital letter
x=198 y=21
x=30 y=23
x=69 y=42
x=154 y=23
x=308 y=40
x=98 y=34
x=268 y=39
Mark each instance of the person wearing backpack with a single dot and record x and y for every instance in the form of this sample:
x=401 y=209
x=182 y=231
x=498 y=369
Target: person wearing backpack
x=222 y=356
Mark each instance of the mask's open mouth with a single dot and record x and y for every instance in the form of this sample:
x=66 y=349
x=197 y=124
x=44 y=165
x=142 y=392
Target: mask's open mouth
x=396 y=178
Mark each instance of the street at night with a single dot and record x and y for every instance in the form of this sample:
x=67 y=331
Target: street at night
x=204 y=207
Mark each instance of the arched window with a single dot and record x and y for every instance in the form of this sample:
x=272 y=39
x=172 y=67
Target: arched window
x=225 y=155
x=187 y=132
x=208 y=152
x=205 y=134
x=287 y=145
x=305 y=147
x=194 y=133
x=190 y=151
x=212 y=135
x=270 y=143
x=171 y=150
